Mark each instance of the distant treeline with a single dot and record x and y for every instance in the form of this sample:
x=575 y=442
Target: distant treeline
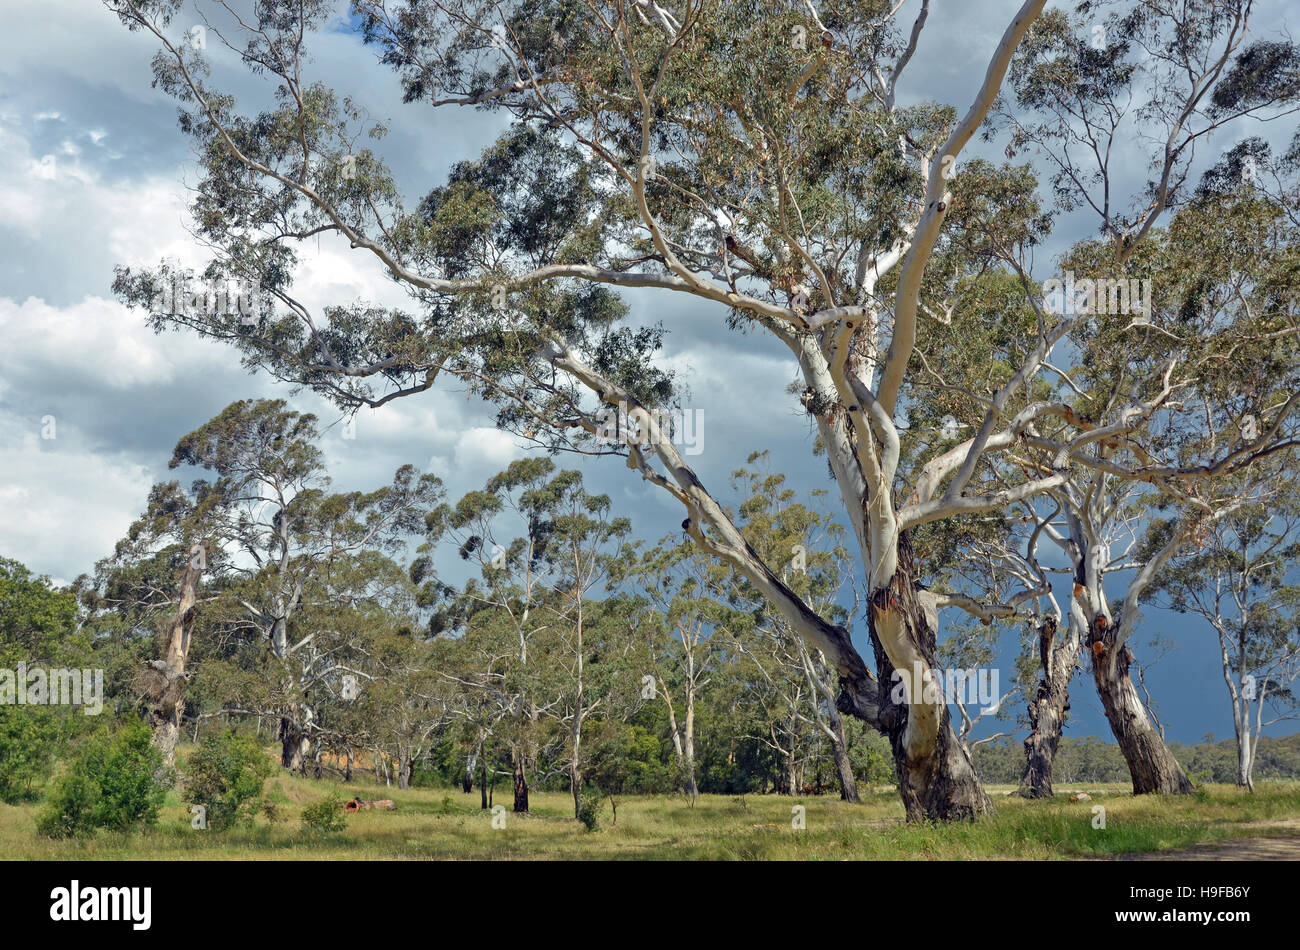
x=1095 y=760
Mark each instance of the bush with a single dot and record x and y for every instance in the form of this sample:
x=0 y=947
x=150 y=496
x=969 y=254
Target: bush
x=589 y=808
x=117 y=782
x=70 y=811
x=132 y=783
x=29 y=741
x=326 y=816
x=225 y=775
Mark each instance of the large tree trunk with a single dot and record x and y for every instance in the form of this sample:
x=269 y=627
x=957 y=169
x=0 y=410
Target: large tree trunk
x=840 y=750
x=935 y=776
x=294 y=744
x=1150 y=763
x=164 y=679
x=1050 y=706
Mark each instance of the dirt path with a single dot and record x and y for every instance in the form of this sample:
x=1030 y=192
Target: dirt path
x=1285 y=847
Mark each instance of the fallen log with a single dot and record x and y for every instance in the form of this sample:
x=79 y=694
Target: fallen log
x=361 y=804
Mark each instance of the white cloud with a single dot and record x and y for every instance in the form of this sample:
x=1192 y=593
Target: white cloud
x=64 y=506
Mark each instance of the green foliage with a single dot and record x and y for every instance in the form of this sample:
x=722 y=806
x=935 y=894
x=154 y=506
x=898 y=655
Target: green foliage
x=225 y=775
x=590 y=806
x=117 y=783
x=70 y=810
x=36 y=620
x=30 y=737
x=325 y=816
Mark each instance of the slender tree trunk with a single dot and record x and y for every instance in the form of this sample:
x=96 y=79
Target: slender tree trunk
x=1050 y=707
x=935 y=777
x=1150 y=763
x=840 y=750
x=692 y=790
x=467 y=780
x=519 y=760
x=575 y=736
x=483 y=782
x=1245 y=763
x=1245 y=744
x=347 y=770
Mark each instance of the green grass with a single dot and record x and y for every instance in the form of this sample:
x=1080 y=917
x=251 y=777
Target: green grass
x=715 y=827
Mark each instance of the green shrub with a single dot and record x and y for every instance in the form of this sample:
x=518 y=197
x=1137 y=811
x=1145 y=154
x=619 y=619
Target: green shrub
x=130 y=774
x=116 y=782
x=225 y=775
x=326 y=816
x=29 y=741
x=589 y=808
x=70 y=809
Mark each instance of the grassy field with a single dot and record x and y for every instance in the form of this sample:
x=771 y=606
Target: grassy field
x=447 y=824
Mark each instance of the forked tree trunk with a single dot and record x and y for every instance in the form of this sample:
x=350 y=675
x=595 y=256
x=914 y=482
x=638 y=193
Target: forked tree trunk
x=684 y=744
x=1058 y=657
x=1241 y=722
x=1150 y=763
x=936 y=779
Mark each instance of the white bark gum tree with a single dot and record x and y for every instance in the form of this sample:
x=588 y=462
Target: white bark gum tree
x=168 y=674
x=854 y=380
x=1236 y=581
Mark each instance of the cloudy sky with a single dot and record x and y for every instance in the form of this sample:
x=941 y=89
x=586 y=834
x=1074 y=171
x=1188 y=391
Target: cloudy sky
x=94 y=173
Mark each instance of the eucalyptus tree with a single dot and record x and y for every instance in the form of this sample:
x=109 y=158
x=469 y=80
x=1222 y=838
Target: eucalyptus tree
x=503 y=613
x=1241 y=581
x=689 y=630
x=753 y=156
x=151 y=587
x=797 y=676
x=1191 y=376
x=589 y=646
x=290 y=546
x=410 y=704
